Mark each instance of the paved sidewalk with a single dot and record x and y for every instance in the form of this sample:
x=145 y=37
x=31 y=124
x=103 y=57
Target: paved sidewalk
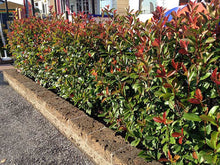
x=5 y=66
x=27 y=138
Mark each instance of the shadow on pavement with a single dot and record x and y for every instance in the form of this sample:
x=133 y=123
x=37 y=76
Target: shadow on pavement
x=2 y=82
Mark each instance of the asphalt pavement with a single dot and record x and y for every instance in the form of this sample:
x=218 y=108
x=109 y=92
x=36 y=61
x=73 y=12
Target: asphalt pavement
x=27 y=138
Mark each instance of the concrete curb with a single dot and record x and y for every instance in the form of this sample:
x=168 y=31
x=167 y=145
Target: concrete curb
x=98 y=142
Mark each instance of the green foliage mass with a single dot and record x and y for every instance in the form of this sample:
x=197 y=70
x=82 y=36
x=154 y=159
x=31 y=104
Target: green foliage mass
x=156 y=81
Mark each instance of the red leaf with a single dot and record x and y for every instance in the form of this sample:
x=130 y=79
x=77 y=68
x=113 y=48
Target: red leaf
x=194 y=101
x=214 y=73
x=182 y=131
x=166 y=85
x=183 y=51
x=184 y=44
x=176 y=134
x=145 y=69
x=199 y=94
x=141 y=50
x=218 y=116
x=107 y=91
x=174 y=64
x=100 y=94
x=194 y=155
x=161 y=73
x=112 y=70
x=163 y=160
x=217 y=82
x=181 y=140
x=114 y=61
x=156 y=43
x=215 y=77
x=184 y=68
x=164 y=116
x=171 y=73
x=71 y=95
x=158 y=119
x=169 y=155
x=94 y=73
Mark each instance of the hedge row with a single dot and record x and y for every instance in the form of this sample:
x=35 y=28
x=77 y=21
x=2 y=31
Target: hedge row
x=158 y=82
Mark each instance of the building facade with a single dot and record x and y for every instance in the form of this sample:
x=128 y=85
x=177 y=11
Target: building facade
x=88 y=6
x=41 y=6
x=95 y=6
x=148 y=6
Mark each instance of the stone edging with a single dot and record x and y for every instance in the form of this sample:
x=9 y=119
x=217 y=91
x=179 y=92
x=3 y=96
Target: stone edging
x=92 y=137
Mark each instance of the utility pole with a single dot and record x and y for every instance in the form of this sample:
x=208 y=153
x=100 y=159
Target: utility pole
x=93 y=7
x=6 y=5
x=26 y=7
x=33 y=10
x=55 y=5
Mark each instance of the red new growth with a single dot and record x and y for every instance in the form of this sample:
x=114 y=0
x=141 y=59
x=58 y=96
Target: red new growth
x=198 y=97
x=161 y=73
x=176 y=65
x=184 y=45
x=156 y=43
x=176 y=134
x=162 y=120
x=215 y=77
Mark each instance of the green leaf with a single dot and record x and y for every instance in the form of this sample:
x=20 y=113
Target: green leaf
x=158 y=93
x=206 y=156
x=166 y=96
x=89 y=104
x=165 y=148
x=218 y=148
x=134 y=75
x=212 y=110
x=171 y=104
x=163 y=141
x=208 y=118
x=214 y=59
x=191 y=116
x=191 y=76
x=135 y=142
x=125 y=78
x=172 y=140
x=210 y=40
x=209 y=158
x=159 y=155
x=205 y=76
x=208 y=129
x=149 y=138
x=214 y=138
x=176 y=148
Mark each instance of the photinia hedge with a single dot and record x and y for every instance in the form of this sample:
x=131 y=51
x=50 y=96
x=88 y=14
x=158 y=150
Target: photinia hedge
x=156 y=82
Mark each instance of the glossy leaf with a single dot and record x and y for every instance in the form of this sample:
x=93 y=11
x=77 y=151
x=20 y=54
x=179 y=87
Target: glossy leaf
x=191 y=116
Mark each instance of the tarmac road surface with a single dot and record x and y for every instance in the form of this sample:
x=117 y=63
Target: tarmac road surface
x=27 y=138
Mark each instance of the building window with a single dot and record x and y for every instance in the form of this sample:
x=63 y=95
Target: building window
x=147 y=6
x=82 y=5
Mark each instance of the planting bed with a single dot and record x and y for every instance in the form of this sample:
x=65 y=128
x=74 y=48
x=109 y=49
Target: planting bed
x=155 y=82
x=99 y=142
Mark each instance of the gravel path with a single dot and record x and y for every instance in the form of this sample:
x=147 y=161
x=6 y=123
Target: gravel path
x=26 y=137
